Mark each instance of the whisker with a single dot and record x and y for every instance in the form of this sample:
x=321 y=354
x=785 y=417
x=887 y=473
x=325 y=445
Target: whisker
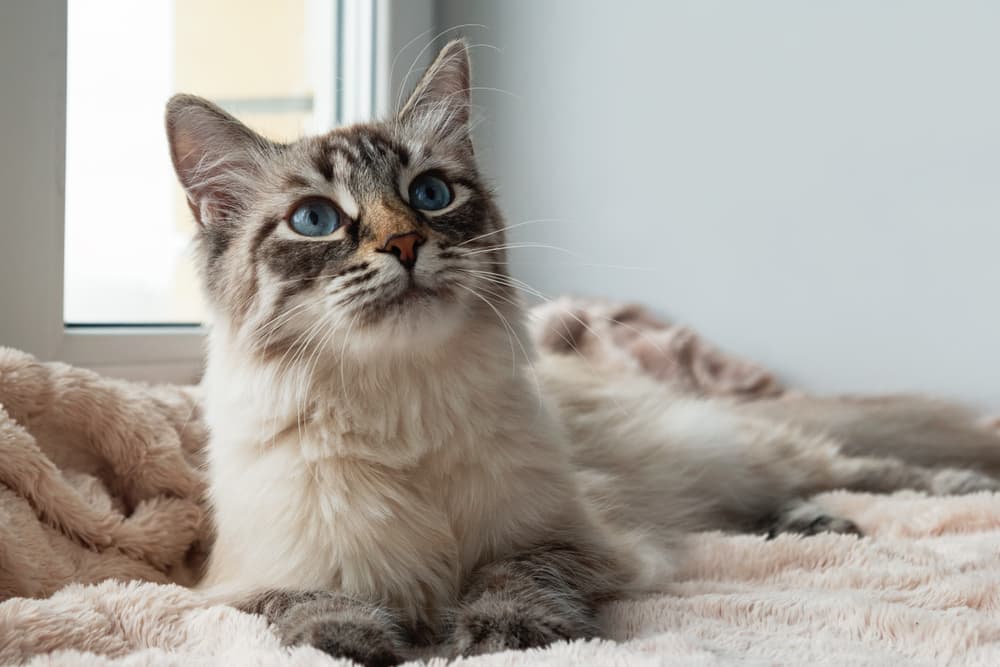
x=315 y=331
x=348 y=272
x=311 y=368
x=503 y=320
x=515 y=282
x=509 y=281
x=586 y=265
x=524 y=351
x=506 y=228
x=497 y=294
x=295 y=348
x=476 y=250
x=343 y=351
x=503 y=279
x=271 y=326
x=514 y=246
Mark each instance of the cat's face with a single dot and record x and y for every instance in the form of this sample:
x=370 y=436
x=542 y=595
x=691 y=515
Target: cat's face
x=370 y=237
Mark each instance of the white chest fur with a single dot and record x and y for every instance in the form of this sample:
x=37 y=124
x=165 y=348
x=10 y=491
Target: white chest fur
x=392 y=493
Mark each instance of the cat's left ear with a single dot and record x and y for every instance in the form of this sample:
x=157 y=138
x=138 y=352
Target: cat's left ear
x=440 y=102
x=218 y=159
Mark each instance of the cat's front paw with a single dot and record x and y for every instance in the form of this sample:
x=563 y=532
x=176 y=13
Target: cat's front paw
x=952 y=481
x=365 y=642
x=479 y=631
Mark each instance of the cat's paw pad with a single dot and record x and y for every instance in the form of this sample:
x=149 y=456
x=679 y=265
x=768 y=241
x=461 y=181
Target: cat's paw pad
x=951 y=481
x=479 y=632
x=366 y=643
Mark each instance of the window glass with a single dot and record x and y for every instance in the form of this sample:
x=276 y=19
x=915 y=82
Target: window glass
x=128 y=227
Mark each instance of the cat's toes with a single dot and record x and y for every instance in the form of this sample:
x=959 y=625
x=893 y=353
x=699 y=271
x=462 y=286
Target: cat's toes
x=952 y=481
x=480 y=635
x=365 y=643
x=806 y=518
x=478 y=632
x=827 y=523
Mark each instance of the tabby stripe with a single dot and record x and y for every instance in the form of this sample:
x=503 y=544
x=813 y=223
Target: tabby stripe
x=263 y=232
x=363 y=278
x=352 y=269
x=323 y=164
x=296 y=181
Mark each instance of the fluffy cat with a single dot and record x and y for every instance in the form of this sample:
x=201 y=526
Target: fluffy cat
x=388 y=468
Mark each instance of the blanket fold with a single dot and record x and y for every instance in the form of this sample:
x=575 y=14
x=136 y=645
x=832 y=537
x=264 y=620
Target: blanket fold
x=98 y=478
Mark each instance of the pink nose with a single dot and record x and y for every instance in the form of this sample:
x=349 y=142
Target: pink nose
x=404 y=247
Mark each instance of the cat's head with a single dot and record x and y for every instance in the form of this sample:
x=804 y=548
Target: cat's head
x=371 y=237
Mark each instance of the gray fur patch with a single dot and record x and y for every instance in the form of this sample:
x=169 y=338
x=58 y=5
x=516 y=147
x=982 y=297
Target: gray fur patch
x=545 y=595
x=334 y=623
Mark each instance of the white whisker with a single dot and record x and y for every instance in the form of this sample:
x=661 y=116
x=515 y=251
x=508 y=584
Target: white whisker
x=514 y=246
x=509 y=281
x=506 y=228
x=511 y=335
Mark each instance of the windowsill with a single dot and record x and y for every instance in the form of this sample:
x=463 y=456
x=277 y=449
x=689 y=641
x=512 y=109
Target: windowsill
x=157 y=354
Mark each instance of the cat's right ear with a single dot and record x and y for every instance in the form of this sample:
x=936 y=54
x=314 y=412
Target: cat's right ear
x=217 y=158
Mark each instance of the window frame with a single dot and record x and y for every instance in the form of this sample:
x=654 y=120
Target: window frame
x=33 y=51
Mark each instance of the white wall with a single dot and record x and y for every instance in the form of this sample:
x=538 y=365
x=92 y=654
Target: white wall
x=817 y=185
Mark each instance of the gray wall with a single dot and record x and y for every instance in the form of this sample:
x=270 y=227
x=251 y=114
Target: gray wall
x=815 y=185
x=32 y=162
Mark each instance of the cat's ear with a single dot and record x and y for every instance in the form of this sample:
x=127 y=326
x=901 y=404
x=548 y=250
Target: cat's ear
x=217 y=158
x=441 y=99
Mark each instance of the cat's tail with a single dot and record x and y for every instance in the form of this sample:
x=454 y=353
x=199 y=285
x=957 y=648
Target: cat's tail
x=919 y=430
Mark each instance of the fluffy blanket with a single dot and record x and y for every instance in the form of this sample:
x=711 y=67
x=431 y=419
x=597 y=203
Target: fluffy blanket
x=101 y=527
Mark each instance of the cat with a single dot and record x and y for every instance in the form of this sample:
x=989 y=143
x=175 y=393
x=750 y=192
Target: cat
x=391 y=465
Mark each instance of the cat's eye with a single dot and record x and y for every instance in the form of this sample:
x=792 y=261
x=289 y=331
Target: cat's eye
x=429 y=192
x=315 y=217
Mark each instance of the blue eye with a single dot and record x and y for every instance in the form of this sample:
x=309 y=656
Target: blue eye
x=429 y=193
x=315 y=217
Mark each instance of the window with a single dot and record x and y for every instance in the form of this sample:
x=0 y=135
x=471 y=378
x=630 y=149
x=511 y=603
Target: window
x=128 y=228
x=94 y=240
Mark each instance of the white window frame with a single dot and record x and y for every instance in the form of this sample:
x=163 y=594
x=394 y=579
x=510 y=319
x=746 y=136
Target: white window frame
x=33 y=173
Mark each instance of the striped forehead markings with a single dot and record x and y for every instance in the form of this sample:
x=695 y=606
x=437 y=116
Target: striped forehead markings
x=355 y=148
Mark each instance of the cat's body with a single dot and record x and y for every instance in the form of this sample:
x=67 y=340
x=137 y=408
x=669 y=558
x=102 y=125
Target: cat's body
x=400 y=482
x=387 y=464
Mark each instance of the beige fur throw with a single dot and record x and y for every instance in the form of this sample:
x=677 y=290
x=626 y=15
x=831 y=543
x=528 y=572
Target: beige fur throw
x=98 y=478
x=99 y=481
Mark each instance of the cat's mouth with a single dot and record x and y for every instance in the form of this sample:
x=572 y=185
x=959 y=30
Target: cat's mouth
x=412 y=314
x=411 y=294
x=424 y=304
x=414 y=292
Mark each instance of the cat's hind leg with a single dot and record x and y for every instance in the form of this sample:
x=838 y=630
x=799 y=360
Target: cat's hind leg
x=805 y=517
x=886 y=475
x=834 y=470
x=746 y=474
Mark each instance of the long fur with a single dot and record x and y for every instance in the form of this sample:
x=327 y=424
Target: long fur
x=388 y=464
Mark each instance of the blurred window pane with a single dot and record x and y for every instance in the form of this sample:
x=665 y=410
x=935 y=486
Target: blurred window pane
x=128 y=227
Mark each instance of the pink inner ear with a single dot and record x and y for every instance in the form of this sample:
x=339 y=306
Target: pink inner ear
x=216 y=158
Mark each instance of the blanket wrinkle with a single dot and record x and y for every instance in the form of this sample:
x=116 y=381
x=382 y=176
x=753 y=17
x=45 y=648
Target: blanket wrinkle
x=98 y=478
x=103 y=524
